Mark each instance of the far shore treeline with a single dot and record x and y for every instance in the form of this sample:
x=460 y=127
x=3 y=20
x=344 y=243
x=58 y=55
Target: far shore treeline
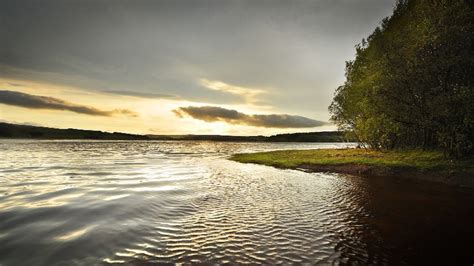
x=411 y=83
x=35 y=132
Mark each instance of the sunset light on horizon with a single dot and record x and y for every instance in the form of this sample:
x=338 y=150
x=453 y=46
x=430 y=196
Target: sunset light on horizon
x=149 y=59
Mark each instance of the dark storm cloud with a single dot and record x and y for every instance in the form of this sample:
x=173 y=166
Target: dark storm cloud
x=214 y=114
x=138 y=46
x=25 y=100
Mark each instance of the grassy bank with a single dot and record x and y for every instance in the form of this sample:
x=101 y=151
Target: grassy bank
x=429 y=165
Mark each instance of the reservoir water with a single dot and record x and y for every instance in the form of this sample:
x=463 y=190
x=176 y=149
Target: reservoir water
x=132 y=202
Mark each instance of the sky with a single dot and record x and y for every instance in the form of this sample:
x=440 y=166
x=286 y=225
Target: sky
x=242 y=67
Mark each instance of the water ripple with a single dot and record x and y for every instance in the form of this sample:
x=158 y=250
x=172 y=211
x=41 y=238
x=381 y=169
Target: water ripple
x=118 y=202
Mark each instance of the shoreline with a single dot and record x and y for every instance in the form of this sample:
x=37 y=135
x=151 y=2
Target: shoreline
x=454 y=179
x=438 y=170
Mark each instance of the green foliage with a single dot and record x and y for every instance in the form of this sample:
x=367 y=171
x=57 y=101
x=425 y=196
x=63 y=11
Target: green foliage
x=410 y=159
x=411 y=83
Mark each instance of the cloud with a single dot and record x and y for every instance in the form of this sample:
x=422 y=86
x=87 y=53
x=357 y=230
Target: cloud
x=214 y=114
x=248 y=94
x=296 y=48
x=142 y=94
x=15 y=84
x=25 y=100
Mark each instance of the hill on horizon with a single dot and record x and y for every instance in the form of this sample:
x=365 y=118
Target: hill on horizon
x=16 y=131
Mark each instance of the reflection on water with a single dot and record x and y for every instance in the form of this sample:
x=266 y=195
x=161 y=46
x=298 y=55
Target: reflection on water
x=90 y=202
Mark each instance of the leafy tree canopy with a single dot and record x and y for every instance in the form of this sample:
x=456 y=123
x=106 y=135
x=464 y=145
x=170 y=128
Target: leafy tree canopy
x=411 y=83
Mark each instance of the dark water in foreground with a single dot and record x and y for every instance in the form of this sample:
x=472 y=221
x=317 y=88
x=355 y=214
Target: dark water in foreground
x=86 y=203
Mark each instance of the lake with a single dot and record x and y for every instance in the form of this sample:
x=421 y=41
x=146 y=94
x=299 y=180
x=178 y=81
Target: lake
x=139 y=202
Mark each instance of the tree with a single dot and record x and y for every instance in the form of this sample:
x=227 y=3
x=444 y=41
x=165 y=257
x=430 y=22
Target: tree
x=411 y=83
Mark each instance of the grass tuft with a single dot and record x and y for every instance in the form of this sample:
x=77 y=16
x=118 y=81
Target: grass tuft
x=414 y=159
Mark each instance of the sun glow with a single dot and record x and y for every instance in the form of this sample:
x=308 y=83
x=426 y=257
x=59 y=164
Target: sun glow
x=153 y=115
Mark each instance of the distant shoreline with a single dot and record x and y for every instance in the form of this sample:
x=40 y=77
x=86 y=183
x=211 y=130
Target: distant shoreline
x=420 y=165
x=14 y=131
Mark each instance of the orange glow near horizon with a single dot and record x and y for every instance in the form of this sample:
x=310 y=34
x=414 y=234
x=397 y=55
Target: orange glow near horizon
x=155 y=116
